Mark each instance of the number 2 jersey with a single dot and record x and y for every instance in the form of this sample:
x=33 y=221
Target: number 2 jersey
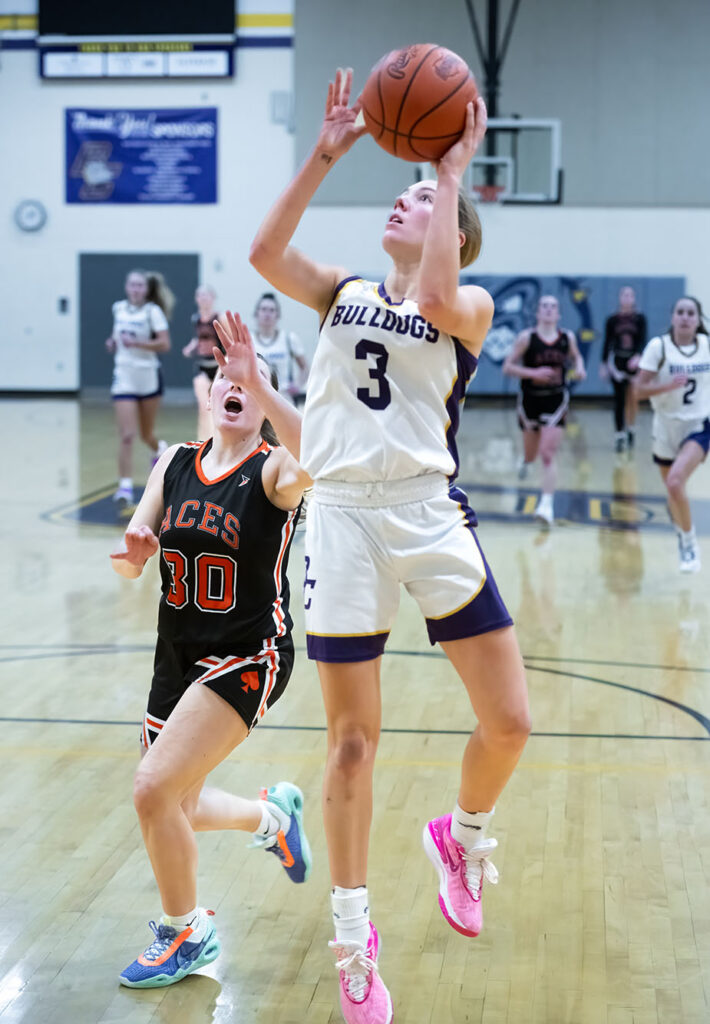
x=383 y=392
x=664 y=358
x=224 y=551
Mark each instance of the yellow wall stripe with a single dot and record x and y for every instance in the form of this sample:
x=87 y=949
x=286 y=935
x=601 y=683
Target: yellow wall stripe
x=14 y=22
x=265 y=21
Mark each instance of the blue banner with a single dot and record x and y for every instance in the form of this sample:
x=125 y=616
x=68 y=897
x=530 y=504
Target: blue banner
x=141 y=156
x=585 y=303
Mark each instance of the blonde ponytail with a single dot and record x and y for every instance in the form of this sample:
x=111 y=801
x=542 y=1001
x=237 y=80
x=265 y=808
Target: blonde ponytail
x=158 y=291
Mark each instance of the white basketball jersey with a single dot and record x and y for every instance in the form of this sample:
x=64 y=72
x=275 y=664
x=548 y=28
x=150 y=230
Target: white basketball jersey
x=279 y=353
x=138 y=323
x=663 y=357
x=384 y=391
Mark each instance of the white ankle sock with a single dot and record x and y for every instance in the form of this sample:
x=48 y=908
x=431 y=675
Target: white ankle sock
x=125 y=483
x=688 y=537
x=469 y=828
x=197 y=919
x=272 y=821
x=351 y=914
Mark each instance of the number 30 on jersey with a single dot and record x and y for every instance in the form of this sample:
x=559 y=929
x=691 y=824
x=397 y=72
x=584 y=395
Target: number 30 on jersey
x=215 y=576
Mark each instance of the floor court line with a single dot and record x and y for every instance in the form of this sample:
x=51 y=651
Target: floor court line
x=74 y=650
x=698 y=716
x=385 y=731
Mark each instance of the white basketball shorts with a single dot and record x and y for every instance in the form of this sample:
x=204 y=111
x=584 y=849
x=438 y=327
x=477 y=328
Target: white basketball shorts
x=669 y=436
x=136 y=382
x=364 y=540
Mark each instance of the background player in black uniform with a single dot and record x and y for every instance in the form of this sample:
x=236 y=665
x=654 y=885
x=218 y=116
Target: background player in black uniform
x=540 y=357
x=624 y=341
x=223 y=515
x=200 y=347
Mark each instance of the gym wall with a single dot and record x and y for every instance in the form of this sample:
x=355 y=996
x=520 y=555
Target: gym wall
x=628 y=81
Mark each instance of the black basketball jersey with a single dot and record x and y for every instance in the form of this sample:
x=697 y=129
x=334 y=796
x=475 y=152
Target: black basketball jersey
x=206 y=335
x=625 y=336
x=223 y=554
x=540 y=353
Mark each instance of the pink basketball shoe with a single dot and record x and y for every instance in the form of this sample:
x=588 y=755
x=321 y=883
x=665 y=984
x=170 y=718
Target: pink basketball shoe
x=364 y=998
x=461 y=875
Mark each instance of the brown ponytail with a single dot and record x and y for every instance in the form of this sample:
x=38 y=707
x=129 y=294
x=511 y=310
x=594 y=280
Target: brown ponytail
x=268 y=433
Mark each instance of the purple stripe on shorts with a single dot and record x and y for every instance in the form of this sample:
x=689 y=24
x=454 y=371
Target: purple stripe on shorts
x=461 y=498
x=483 y=613
x=466 y=364
x=701 y=437
x=345 y=648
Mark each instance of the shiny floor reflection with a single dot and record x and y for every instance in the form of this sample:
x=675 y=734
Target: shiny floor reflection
x=601 y=912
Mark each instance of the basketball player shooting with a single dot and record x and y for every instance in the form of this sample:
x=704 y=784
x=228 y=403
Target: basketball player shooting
x=392 y=363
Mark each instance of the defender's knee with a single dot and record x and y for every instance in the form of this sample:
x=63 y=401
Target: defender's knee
x=149 y=794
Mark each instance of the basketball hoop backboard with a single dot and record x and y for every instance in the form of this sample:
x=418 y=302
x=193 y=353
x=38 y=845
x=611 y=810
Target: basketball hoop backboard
x=522 y=156
x=519 y=162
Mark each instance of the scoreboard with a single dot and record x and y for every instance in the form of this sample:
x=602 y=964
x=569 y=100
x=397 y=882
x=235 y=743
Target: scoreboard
x=136 y=39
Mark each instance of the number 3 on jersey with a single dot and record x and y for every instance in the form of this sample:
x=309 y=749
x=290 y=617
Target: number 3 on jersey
x=216 y=576
x=383 y=396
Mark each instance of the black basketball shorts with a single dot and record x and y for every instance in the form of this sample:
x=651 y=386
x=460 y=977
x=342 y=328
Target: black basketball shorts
x=251 y=683
x=542 y=410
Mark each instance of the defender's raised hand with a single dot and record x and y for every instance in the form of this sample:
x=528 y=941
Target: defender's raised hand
x=238 y=362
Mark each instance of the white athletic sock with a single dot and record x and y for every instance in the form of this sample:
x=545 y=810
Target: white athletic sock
x=469 y=828
x=687 y=537
x=197 y=919
x=273 y=819
x=126 y=483
x=351 y=914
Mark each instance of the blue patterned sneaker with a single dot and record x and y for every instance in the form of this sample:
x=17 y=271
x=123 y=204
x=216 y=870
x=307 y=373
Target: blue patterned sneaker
x=170 y=957
x=290 y=843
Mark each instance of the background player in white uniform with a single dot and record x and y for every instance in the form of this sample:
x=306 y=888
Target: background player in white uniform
x=219 y=663
x=281 y=349
x=378 y=438
x=140 y=332
x=674 y=372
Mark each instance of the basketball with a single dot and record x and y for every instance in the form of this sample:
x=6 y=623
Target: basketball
x=414 y=101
